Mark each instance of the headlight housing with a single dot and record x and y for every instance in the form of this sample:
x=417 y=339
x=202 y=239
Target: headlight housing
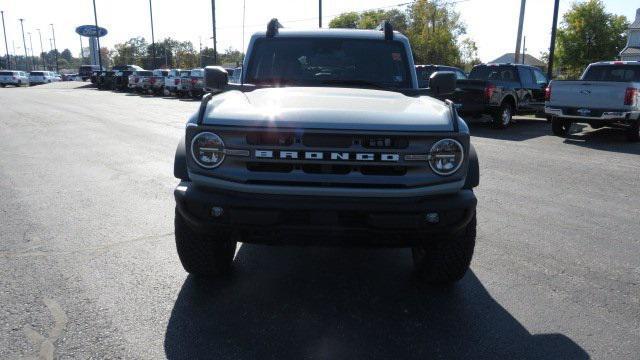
x=207 y=150
x=446 y=157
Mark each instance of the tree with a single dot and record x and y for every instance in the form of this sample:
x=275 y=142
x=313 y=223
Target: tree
x=66 y=54
x=588 y=34
x=348 y=20
x=130 y=52
x=434 y=29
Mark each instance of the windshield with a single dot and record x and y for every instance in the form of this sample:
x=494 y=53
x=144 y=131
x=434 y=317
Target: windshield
x=185 y=73
x=326 y=62
x=197 y=73
x=616 y=73
x=6 y=73
x=37 y=73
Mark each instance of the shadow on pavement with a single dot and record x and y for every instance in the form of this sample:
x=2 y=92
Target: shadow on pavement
x=605 y=139
x=332 y=303
x=523 y=129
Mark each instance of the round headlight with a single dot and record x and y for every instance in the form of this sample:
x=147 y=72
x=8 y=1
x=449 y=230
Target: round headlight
x=446 y=156
x=207 y=150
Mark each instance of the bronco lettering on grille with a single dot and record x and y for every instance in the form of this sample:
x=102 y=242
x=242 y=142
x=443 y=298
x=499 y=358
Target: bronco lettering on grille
x=321 y=155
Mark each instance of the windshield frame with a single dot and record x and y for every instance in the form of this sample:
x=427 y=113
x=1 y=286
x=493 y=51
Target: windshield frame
x=405 y=52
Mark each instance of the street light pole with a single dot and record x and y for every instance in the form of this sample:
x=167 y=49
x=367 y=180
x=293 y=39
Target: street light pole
x=215 y=44
x=24 y=43
x=53 y=31
x=44 y=60
x=95 y=16
x=31 y=47
x=320 y=13
x=6 y=44
x=153 y=40
x=519 y=39
x=552 y=46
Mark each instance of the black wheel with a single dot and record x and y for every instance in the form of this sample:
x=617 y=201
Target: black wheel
x=633 y=132
x=446 y=261
x=502 y=118
x=560 y=127
x=203 y=255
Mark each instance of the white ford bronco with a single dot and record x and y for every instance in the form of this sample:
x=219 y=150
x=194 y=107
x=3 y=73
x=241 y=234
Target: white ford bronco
x=327 y=140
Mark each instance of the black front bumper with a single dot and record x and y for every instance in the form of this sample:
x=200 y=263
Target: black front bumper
x=308 y=220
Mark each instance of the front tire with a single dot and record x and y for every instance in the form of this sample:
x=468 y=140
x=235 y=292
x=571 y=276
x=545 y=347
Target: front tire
x=633 y=131
x=560 y=127
x=446 y=261
x=503 y=117
x=203 y=255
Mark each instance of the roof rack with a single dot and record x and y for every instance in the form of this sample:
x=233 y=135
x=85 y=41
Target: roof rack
x=272 y=27
x=386 y=26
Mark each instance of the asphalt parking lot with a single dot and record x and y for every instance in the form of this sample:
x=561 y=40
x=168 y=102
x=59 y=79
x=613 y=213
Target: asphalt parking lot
x=88 y=266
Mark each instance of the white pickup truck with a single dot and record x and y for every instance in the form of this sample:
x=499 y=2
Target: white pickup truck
x=607 y=94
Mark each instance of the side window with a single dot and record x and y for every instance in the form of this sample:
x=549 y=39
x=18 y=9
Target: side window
x=526 y=77
x=540 y=78
x=460 y=75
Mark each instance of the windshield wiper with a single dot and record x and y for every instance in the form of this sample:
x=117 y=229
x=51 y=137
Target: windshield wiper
x=362 y=83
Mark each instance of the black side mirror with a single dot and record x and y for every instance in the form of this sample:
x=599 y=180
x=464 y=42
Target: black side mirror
x=442 y=83
x=215 y=77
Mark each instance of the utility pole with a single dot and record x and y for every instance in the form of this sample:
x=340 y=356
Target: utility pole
x=95 y=16
x=215 y=43
x=31 y=47
x=55 y=46
x=518 y=40
x=24 y=43
x=320 y=14
x=524 y=48
x=153 y=39
x=44 y=60
x=6 y=45
x=552 y=46
x=200 y=50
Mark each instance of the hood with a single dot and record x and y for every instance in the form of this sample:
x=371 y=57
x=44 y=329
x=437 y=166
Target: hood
x=328 y=108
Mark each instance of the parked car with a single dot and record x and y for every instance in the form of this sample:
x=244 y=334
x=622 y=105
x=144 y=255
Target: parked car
x=502 y=91
x=14 y=77
x=121 y=76
x=86 y=71
x=69 y=77
x=423 y=72
x=41 y=77
x=135 y=79
x=156 y=81
x=106 y=80
x=172 y=82
x=348 y=155
x=143 y=85
x=197 y=83
x=185 y=83
x=607 y=94
x=234 y=77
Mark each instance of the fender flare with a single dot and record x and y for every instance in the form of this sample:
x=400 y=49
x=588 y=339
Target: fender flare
x=180 y=162
x=473 y=172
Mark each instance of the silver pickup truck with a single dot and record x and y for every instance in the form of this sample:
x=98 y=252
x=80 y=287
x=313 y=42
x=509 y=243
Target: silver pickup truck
x=327 y=140
x=607 y=94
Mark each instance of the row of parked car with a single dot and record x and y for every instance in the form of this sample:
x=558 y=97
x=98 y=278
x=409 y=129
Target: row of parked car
x=23 y=78
x=166 y=82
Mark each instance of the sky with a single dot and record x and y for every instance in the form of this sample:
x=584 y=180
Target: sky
x=492 y=24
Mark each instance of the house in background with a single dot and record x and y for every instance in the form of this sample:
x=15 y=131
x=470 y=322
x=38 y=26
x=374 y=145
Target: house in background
x=632 y=51
x=528 y=60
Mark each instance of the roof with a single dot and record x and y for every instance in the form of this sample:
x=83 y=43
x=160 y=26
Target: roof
x=333 y=33
x=510 y=58
x=636 y=23
x=630 y=50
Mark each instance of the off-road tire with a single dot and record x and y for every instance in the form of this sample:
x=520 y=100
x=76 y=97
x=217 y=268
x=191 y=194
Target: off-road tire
x=203 y=255
x=446 y=261
x=560 y=127
x=503 y=117
x=633 y=131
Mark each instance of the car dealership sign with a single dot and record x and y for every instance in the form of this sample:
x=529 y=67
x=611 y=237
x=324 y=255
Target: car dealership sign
x=91 y=31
